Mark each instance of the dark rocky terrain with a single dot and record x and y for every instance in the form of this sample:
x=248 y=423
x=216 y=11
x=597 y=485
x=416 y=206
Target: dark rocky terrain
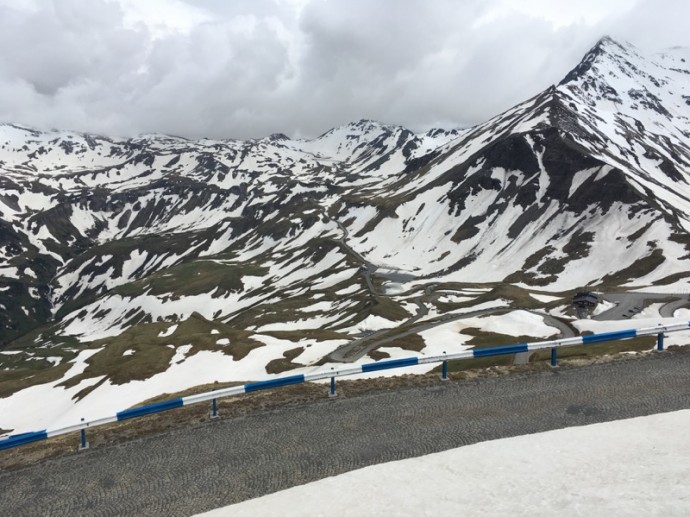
x=302 y=246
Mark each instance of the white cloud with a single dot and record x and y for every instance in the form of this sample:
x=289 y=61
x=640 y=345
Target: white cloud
x=562 y=14
x=250 y=68
x=163 y=17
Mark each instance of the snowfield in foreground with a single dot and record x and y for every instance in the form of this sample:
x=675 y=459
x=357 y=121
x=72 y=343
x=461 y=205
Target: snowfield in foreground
x=638 y=466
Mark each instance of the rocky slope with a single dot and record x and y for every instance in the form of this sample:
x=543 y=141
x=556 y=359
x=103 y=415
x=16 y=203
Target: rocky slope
x=285 y=244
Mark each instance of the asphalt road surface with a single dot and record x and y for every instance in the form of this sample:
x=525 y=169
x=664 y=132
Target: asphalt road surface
x=667 y=311
x=629 y=304
x=358 y=348
x=199 y=468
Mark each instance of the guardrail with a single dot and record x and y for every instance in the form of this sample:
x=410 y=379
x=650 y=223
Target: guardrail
x=333 y=374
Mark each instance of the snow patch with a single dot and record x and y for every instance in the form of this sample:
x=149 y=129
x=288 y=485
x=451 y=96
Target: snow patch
x=169 y=331
x=627 y=474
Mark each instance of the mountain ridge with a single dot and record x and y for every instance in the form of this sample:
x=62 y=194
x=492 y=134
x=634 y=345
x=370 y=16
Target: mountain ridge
x=549 y=110
x=105 y=243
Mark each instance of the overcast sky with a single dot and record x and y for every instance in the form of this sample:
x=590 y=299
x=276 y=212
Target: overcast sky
x=249 y=68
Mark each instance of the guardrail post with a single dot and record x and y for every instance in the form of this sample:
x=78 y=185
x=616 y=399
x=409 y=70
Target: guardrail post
x=332 y=392
x=214 y=409
x=84 y=444
x=660 y=341
x=444 y=371
x=554 y=357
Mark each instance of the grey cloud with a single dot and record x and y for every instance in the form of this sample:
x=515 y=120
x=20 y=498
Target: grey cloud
x=257 y=68
x=654 y=24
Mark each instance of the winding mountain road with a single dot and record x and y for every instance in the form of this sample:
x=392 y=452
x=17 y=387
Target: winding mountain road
x=218 y=463
x=360 y=347
x=626 y=306
x=363 y=345
x=630 y=304
x=669 y=309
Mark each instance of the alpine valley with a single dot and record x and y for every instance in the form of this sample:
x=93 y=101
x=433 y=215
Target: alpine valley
x=131 y=268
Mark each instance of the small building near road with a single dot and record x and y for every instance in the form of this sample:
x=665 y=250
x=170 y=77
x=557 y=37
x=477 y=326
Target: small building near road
x=585 y=300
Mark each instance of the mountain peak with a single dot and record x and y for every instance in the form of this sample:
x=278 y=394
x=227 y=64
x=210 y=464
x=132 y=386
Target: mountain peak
x=607 y=41
x=604 y=50
x=365 y=125
x=106 y=241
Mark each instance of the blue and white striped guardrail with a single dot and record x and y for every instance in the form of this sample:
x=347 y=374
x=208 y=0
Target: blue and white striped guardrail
x=659 y=330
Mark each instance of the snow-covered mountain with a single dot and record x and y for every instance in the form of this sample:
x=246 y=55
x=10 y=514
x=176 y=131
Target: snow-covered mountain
x=289 y=244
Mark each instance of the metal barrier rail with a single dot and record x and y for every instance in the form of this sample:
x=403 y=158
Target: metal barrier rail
x=24 y=438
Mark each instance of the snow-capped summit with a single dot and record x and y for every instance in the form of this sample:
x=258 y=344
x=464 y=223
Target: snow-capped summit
x=586 y=183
